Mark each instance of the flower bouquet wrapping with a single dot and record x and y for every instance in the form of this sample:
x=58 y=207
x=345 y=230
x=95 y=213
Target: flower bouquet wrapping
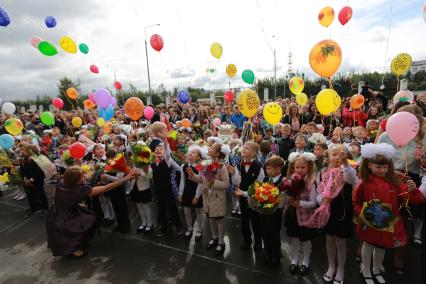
x=208 y=168
x=142 y=155
x=264 y=197
x=293 y=186
x=67 y=159
x=10 y=175
x=118 y=164
x=378 y=216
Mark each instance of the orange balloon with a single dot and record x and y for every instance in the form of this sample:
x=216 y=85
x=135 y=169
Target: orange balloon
x=357 y=101
x=134 y=108
x=325 y=58
x=326 y=16
x=88 y=104
x=72 y=93
x=185 y=123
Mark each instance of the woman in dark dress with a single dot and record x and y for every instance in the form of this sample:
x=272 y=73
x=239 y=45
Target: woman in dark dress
x=69 y=224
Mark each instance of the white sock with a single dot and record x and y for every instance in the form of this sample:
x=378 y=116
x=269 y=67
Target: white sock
x=141 y=213
x=148 y=213
x=378 y=256
x=366 y=253
x=105 y=205
x=418 y=226
x=331 y=255
x=307 y=247
x=200 y=217
x=188 y=217
x=221 y=229
x=235 y=202
x=295 y=246
x=341 y=258
x=213 y=229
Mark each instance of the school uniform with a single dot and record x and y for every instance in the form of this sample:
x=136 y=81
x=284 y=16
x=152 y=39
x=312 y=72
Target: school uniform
x=188 y=188
x=35 y=191
x=119 y=204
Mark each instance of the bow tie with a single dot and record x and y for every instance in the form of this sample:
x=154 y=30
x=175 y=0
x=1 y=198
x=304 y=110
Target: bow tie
x=158 y=160
x=246 y=163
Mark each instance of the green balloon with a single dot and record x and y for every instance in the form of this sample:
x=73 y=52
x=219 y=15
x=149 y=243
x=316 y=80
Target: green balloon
x=47 y=48
x=248 y=76
x=83 y=48
x=47 y=118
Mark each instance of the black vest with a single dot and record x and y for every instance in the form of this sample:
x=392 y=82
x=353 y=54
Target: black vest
x=161 y=175
x=190 y=184
x=268 y=179
x=248 y=178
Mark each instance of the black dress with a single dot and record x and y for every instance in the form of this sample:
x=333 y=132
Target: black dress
x=190 y=189
x=341 y=223
x=69 y=226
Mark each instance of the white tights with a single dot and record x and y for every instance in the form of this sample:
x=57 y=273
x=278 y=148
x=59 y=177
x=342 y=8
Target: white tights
x=306 y=247
x=145 y=213
x=336 y=245
x=106 y=207
x=188 y=218
x=378 y=254
x=217 y=229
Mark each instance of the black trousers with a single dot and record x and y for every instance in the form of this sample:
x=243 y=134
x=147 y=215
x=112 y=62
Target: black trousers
x=167 y=208
x=250 y=217
x=36 y=197
x=119 y=204
x=271 y=229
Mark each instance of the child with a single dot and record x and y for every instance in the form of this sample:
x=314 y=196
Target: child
x=286 y=142
x=271 y=224
x=335 y=213
x=214 y=197
x=246 y=173
x=312 y=128
x=264 y=152
x=379 y=182
x=319 y=152
x=372 y=128
x=189 y=197
x=301 y=208
x=234 y=159
x=355 y=151
x=347 y=135
x=359 y=135
x=142 y=195
x=162 y=169
x=300 y=144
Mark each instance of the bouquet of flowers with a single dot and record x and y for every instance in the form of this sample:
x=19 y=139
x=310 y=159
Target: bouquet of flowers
x=208 y=168
x=88 y=170
x=10 y=175
x=118 y=164
x=264 y=197
x=235 y=157
x=378 y=216
x=142 y=155
x=67 y=159
x=293 y=186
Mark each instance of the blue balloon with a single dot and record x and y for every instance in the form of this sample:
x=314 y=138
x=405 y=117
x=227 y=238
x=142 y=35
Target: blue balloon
x=50 y=21
x=109 y=113
x=183 y=96
x=101 y=112
x=4 y=17
x=6 y=141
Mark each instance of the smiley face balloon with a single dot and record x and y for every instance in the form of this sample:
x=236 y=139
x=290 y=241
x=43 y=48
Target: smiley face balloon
x=272 y=112
x=68 y=44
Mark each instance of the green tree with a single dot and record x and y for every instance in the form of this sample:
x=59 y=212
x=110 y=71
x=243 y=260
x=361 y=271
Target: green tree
x=63 y=85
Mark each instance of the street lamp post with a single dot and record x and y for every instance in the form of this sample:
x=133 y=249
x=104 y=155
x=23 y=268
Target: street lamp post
x=149 y=100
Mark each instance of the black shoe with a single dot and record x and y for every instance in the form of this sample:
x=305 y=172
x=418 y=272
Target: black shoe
x=187 y=235
x=245 y=246
x=149 y=229
x=234 y=213
x=212 y=243
x=198 y=236
x=257 y=247
x=294 y=269
x=141 y=229
x=220 y=249
x=303 y=270
x=107 y=222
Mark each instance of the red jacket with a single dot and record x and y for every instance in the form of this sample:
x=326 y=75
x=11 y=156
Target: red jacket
x=378 y=188
x=354 y=117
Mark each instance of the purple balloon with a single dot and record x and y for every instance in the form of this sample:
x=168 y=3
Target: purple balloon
x=113 y=101
x=102 y=98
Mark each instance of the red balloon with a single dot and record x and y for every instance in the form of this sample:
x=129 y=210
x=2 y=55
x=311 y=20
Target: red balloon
x=229 y=96
x=58 y=103
x=77 y=150
x=117 y=85
x=94 y=69
x=345 y=15
x=157 y=42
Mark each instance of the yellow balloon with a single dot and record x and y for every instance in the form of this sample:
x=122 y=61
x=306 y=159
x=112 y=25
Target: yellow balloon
x=272 y=112
x=248 y=102
x=68 y=44
x=100 y=122
x=325 y=58
x=216 y=50
x=401 y=64
x=301 y=99
x=14 y=126
x=231 y=70
x=76 y=121
x=327 y=101
x=326 y=16
x=296 y=85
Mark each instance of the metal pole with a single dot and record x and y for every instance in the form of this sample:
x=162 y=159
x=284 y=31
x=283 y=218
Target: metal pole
x=149 y=100
x=275 y=76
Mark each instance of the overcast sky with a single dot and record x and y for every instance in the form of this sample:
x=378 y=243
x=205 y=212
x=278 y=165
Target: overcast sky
x=247 y=29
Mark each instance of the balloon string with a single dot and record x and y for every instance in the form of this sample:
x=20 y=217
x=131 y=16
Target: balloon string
x=330 y=83
x=397 y=84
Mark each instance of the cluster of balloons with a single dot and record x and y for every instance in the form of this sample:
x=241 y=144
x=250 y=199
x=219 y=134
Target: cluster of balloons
x=248 y=102
x=326 y=16
x=105 y=102
x=272 y=112
x=327 y=101
x=4 y=17
x=296 y=86
x=183 y=96
x=157 y=42
x=228 y=96
x=402 y=127
x=134 y=108
x=325 y=58
x=401 y=64
x=66 y=43
x=216 y=50
x=248 y=76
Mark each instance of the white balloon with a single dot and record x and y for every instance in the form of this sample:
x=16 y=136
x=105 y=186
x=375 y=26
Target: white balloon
x=8 y=108
x=408 y=95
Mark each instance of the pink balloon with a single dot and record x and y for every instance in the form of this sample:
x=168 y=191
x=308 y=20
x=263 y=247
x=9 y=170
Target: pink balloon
x=217 y=122
x=92 y=98
x=58 y=103
x=35 y=41
x=148 y=112
x=402 y=127
x=94 y=69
